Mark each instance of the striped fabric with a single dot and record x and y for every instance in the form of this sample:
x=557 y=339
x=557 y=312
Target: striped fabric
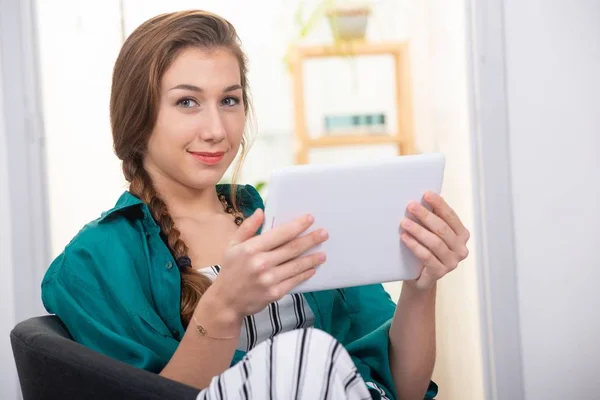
x=303 y=364
x=291 y=313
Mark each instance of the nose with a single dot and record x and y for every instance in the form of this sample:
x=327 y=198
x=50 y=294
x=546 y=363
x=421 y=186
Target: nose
x=213 y=130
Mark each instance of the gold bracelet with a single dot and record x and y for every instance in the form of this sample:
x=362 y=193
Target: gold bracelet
x=203 y=332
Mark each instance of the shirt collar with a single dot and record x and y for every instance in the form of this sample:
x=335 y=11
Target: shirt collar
x=127 y=201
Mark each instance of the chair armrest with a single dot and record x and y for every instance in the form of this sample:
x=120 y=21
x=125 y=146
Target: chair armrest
x=53 y=366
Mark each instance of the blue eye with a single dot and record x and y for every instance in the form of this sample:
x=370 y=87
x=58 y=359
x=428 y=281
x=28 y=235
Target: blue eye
x=187 y=103
x=230 y=101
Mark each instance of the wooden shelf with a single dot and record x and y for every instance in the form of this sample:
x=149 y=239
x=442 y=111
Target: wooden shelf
x=351 y=48
x=353 y=140
x=403 y=138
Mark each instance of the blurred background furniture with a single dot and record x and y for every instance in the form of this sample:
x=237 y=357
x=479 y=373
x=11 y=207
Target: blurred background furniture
x=403 y=134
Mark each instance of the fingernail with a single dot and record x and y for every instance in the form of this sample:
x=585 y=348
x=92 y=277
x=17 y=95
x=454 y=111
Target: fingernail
x=413 y=207
x=407 y=223
x=324 y=234
x=322 y=257
x=310 y=219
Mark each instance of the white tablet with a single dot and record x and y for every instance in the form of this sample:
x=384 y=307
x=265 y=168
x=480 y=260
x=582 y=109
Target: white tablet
x=361 y=205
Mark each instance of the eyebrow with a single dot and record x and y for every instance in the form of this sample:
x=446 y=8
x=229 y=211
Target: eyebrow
x=194 y=88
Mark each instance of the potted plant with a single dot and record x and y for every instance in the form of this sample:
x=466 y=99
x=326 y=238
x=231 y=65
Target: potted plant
x=348 y=21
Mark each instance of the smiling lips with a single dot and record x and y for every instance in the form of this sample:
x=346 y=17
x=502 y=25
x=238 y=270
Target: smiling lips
x=208 y=158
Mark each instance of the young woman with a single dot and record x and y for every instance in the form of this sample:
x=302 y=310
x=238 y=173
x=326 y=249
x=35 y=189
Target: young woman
x=175 y=278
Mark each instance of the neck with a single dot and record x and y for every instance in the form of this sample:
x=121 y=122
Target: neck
x=184 y=201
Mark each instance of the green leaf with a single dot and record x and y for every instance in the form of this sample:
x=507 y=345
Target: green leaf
x=260 y=185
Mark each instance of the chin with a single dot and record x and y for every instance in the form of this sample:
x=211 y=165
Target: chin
x=207 y=180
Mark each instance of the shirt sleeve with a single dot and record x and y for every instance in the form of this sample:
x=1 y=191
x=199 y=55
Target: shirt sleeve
x=96 y=314
x=371 y=311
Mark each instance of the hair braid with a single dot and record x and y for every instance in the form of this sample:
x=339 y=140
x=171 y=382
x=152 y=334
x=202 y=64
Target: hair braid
x=193 y=283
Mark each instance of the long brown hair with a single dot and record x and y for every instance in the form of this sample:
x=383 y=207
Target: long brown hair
x=145 y=56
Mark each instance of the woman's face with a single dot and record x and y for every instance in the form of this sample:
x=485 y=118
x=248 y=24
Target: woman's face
x=200 y=122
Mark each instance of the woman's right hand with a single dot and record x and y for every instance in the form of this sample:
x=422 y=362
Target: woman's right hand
x=260 y=269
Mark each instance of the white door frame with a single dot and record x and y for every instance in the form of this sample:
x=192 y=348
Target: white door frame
x=26 y=154
x=501 y=338
x=27 y=256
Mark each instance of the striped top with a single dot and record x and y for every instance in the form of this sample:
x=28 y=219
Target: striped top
x=289 y=313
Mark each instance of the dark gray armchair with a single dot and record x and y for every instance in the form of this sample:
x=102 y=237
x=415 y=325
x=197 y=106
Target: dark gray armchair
x=51 y=365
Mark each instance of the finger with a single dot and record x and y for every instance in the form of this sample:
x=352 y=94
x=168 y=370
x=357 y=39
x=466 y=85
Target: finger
x=282 y=234
x=432 y=266
x=297 y=247
x=435 y=225
x=297 y=266
x=431 y=242
x=446 y=213
x=286 y=286
x=248 y=228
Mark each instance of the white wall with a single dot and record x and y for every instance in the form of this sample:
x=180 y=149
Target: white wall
x=8 y=376
x=23 y=220
x=78 y=43
x=553 y=66
x=459 y=368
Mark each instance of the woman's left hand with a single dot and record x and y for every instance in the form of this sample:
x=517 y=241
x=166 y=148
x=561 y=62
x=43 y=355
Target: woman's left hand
x=440 y=243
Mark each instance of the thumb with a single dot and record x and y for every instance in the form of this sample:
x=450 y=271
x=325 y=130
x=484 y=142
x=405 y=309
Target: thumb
x=249 y=227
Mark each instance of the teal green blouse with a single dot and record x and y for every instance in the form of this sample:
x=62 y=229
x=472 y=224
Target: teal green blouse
x=117 y=289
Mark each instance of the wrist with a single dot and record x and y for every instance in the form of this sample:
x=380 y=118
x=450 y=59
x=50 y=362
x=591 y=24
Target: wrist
x=412 y=293
x=217 y=317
